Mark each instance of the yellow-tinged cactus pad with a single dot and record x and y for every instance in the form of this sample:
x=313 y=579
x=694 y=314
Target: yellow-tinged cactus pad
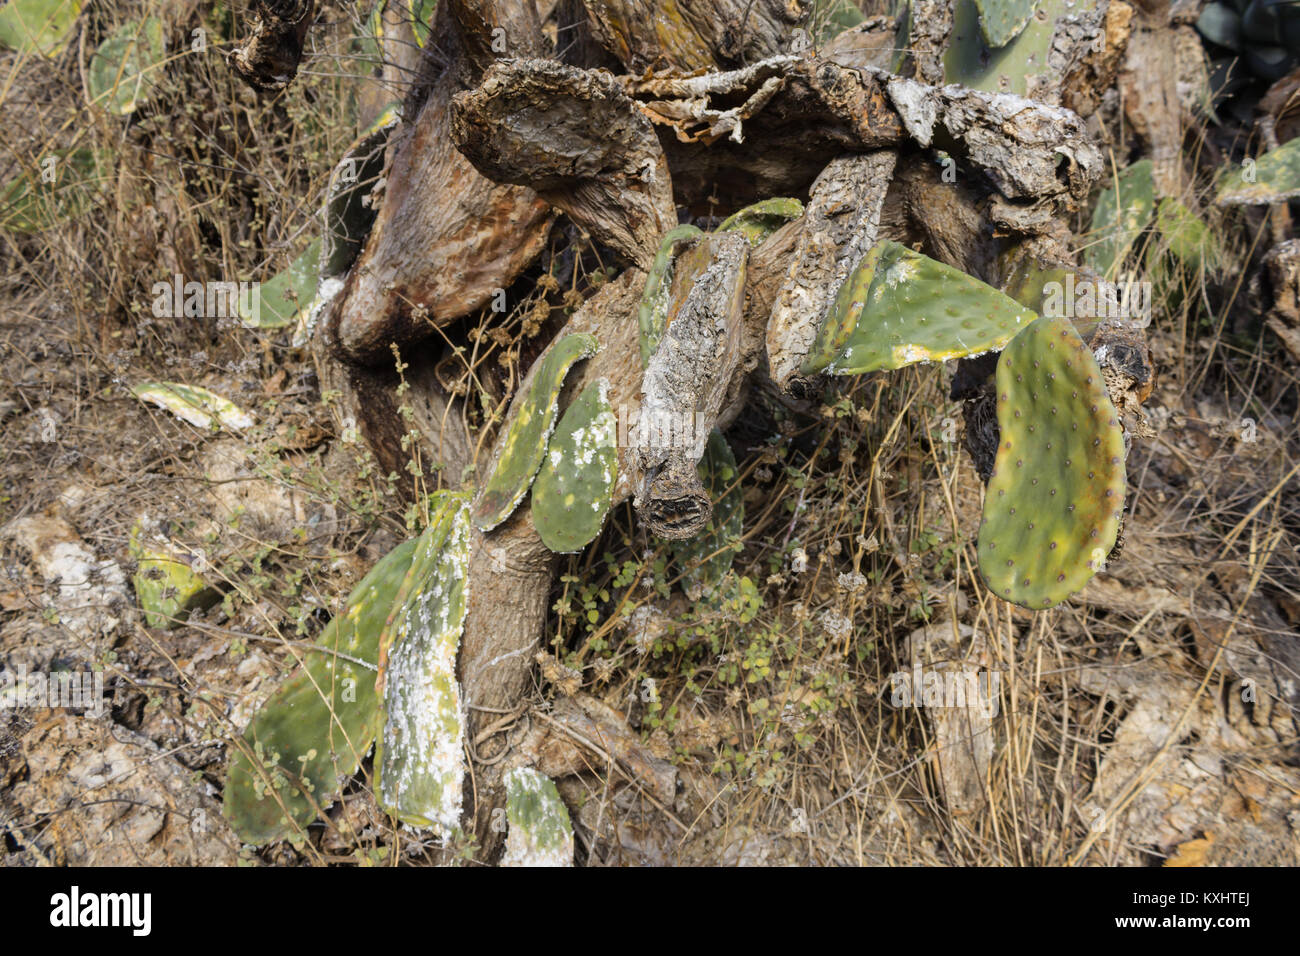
x=1054 y=503
x=38 y=26
x=1274 y=177
x=575 y=486
x=540 y=833
x=419 y=753
x=195 y=405
x=1123 y=211
x=918 y=310
x=315 y=729
x=757 y=222
x=166 y=583
x=533 y=417
x=652 y=312
x=705 y=559
x=421 y=18
x=842 y=318
x=126 y=66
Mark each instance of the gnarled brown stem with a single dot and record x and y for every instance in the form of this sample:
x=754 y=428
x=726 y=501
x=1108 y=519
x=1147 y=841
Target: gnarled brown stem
x=268 y=60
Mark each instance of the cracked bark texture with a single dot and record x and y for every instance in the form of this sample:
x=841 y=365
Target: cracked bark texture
x=684 y=35
x=840 y=223
x=577 y=139
x=929 y=28
x=268 y=60
x=687 y=379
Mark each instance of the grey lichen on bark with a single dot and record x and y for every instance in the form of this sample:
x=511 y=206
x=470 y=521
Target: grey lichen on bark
x=685 y=384
x=840 y=223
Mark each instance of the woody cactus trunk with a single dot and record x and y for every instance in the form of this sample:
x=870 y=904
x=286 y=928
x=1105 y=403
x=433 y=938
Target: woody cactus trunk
x=902 y=220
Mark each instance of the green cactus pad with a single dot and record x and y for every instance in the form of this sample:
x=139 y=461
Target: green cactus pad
x=1020 y=64
x=757 y=222
x=124 y=69
x=1054 y=503
x=1274 y=177
x=920 y=310
x=1123 y=210
x=1186 y=236
x=29 y=204
x=285 y=299
x=198 y=406
x=842 y=317
x=421 y=12
x=419 y=754
x=38 y=26
x=540 y=833
x=1002 y=20
x=1028 y=282
x=705 y=559
x=531 y=421
x=166 y=584
x=318 y=725
x=575 y=486
x=652 y=313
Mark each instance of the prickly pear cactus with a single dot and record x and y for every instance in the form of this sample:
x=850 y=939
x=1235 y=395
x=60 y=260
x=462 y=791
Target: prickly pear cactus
x=540 y=833
x=842 y=317
x=1002 y=20
x=1274 y=177
x=38 y=26
x=1054 y=503
x=421 y=12
x=652 y=313
x=1186 y=236
x=1020 y=62
x=575 y=486
x=1123 y=210
x=527 y=433
x=419 y=751
x=165 y=583
x=757 y=222
x=29 y=204
x=124 y=69
x=1027 y=279
x=284 y=299
x=705 y=559
x=314 y=730
x=918 y=310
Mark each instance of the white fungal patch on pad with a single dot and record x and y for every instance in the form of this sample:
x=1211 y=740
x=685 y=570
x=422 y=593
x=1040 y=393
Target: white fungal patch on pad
x=572 y=496
x=421 y=767
x=540 y=833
